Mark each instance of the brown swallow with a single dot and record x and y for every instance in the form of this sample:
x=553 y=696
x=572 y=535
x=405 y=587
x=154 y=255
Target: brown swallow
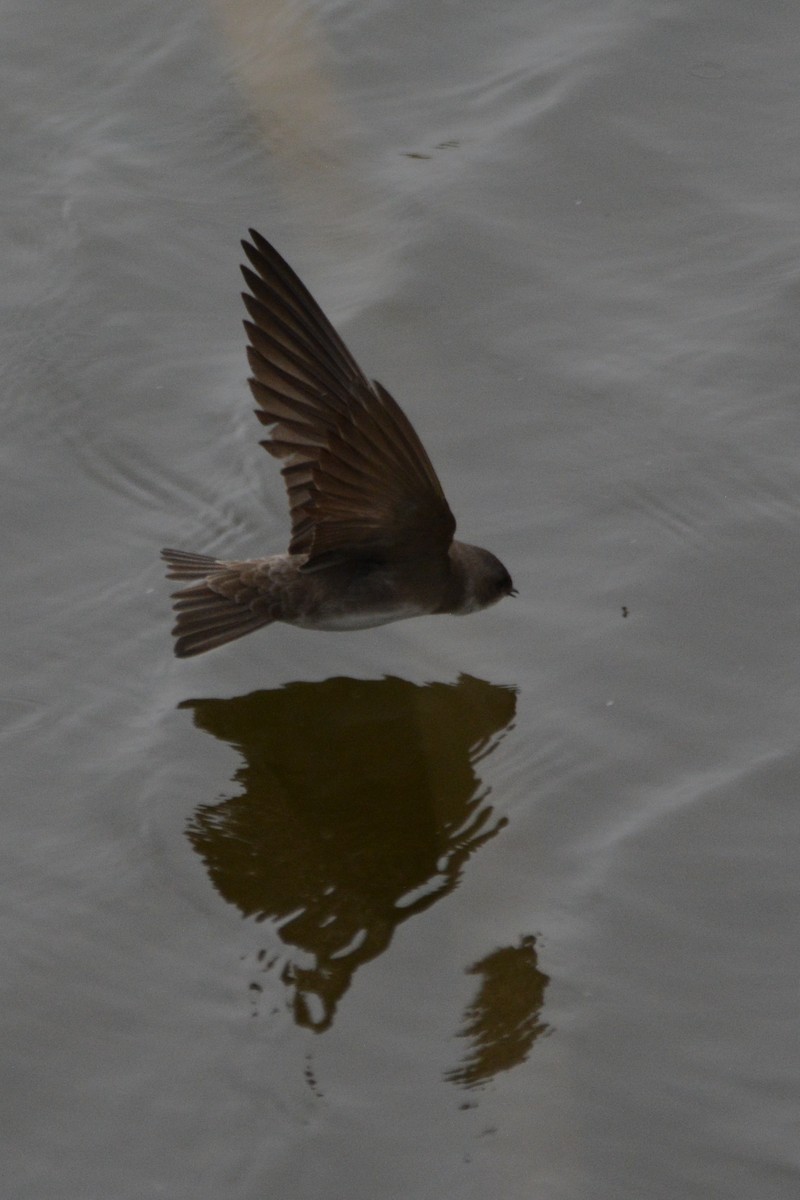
x=372 y=532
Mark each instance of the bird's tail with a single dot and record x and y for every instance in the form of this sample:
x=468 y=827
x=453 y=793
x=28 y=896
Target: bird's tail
x=182 y=564
x=213 y=612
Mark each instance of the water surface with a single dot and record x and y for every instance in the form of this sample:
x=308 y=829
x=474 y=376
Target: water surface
x=503 y=905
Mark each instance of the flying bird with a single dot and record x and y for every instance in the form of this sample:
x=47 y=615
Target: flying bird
x=372 y=533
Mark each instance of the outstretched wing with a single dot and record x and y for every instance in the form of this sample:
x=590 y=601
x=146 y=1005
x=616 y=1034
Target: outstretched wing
x=359 y=481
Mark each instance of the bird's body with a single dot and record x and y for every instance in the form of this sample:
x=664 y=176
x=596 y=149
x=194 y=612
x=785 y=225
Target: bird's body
x=372 y=533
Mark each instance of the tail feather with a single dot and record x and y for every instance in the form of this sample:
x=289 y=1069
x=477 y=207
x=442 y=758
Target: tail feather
x=182 y=564
x=208 y=637
x=207 y=617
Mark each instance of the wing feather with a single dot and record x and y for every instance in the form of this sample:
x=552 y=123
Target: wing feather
x=359 y=481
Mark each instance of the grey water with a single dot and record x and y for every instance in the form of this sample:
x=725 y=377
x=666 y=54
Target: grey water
x=495 y=906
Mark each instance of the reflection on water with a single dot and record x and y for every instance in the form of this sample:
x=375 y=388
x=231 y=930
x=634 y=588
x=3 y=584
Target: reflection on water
x=280 y=58
x=504 y=1020
x=278 y=55
x=359 y=805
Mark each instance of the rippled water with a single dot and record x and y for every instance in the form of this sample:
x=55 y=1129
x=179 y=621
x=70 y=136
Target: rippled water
x=495 y=906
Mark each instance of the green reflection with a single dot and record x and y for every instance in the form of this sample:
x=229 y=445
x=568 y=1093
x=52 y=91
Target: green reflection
x=503 y=1021
x=359 y=806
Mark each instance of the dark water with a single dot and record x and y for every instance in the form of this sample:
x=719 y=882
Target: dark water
x=504 y=905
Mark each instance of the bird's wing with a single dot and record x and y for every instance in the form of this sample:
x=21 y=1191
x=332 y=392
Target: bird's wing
x=359 y=481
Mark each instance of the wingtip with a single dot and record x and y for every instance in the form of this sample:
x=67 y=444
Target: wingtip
x=257 y=245
x=251 y=253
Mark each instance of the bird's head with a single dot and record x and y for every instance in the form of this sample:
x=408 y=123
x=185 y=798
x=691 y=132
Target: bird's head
x=484 y=580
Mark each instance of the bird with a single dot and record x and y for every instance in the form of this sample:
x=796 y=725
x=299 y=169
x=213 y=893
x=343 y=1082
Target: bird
x=371 y=530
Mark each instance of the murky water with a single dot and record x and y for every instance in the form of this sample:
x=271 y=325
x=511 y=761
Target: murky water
x=499 y=906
